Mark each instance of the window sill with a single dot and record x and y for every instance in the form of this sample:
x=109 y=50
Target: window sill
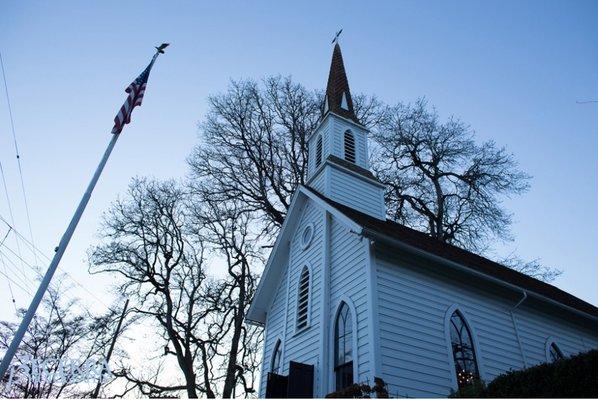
x=302 y=330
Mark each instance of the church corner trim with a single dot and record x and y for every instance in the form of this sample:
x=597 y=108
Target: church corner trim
x=374 y=323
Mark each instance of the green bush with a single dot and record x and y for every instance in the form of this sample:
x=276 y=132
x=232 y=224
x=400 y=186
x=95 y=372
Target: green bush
x=576 y=376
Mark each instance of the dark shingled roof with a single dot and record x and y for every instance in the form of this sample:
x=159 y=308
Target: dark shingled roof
x=337 y=85
x=468 y=259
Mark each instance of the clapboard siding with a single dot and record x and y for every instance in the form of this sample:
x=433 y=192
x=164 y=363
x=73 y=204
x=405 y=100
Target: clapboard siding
x=274 y=329
x=303 y=346
x=412 y=305
x=348 y=279
x=319 y=182
x=356 y=193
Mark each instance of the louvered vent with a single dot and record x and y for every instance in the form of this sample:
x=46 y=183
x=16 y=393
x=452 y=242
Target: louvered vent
x=349 y=147
x=303 y=299
x=319 y=151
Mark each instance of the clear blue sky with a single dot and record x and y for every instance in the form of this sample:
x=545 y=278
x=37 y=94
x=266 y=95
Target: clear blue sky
x=513 y=70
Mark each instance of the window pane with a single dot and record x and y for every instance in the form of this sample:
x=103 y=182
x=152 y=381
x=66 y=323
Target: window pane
x=344 y=376
x=276 y=359
x=555 y=353
x=466 y=366
x=343 y=337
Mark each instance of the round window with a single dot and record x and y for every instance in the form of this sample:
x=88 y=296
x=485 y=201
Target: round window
x=308 y=234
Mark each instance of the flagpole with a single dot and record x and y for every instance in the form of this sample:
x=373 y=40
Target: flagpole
x=66 y=237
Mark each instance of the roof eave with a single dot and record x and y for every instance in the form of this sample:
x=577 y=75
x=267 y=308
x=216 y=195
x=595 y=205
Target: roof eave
x=397 y=243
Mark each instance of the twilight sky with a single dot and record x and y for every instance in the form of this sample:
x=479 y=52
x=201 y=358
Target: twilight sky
x=513 y=70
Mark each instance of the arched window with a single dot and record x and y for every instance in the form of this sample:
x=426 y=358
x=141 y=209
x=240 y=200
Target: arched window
x=466 y=366
x=276 y=357
x=319 y=151
x=349 y=146
x=555 y=353
x=343 y=348
x=303 y=299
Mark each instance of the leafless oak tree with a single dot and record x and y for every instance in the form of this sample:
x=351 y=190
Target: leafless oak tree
x=228 y=232
x=156 y=240
x=440 y=180
x=253 y=145
x=146 y=243
x=64 y=346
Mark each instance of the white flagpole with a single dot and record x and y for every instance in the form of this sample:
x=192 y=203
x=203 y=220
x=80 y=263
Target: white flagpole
x=14 y=345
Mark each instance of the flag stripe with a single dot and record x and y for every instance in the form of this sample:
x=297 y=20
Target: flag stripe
x=136 y=91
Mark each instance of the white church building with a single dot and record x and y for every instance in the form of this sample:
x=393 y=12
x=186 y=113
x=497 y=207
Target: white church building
x=348 y=296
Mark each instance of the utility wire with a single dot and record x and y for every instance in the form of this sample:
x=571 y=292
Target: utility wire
x=25 y=280
x=15 y=283
x=75 y=281
x=10 y=213
x=14 y=137
x=48 y=258
x=12 y=295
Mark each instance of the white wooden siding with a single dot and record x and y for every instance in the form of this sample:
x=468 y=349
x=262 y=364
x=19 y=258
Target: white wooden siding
x=300 y=346
x=275 y=328
x=356 y=193
x=319 y=182
x=414 y=352
x=348 y=278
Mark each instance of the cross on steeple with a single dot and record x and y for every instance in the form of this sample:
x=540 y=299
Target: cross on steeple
x=335 y=40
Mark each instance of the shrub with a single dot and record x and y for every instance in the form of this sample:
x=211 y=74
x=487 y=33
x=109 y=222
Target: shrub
x=576 y=376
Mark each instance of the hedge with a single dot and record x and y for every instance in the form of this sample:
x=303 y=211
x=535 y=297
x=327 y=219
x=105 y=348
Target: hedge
x=576 y=376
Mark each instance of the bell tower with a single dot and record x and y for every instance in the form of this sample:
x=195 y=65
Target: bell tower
x=338 y=165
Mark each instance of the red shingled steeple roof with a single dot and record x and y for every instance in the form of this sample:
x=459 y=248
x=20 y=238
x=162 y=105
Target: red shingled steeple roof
x=338 y=86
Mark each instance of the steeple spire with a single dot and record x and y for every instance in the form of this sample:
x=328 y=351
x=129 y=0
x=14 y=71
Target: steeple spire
x=338 y=97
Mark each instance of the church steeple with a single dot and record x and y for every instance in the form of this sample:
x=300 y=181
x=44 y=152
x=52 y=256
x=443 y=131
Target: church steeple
x=338 y=96
x=338 y=165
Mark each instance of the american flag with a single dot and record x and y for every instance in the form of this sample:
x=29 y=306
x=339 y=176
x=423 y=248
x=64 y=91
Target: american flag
x=135 y=90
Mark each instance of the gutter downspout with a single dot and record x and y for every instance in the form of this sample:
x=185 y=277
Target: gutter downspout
x=517 y=330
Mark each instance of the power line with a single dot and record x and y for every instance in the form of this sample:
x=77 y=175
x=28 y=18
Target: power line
x=14 y=137
x=10 y=213
x=15 y=283
x=25 y=280
x=12 y=295
x=23 y=238
x=48 y=258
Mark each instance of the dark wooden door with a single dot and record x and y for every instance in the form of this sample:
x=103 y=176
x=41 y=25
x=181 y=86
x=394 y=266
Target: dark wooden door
x=301 y=381
x=276 y=386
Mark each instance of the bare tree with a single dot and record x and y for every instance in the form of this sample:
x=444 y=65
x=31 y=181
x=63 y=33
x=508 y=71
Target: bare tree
x=146 y=243
x=253 y=145
x=227 y=230
x=62 y=350
x=253 y=150
x=441 y=181
x=156 y=240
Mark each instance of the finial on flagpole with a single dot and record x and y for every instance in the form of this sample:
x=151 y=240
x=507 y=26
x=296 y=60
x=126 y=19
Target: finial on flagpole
x=160 y=49
x=335 y=40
